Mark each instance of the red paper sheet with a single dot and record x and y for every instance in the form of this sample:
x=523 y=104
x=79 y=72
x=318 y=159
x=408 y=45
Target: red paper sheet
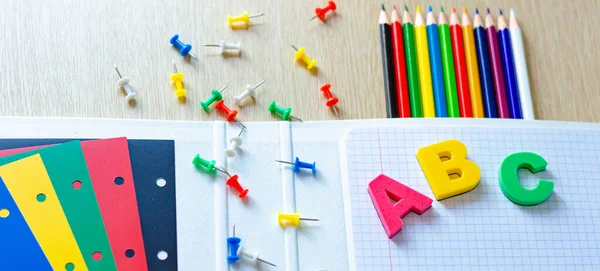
x=108 y=159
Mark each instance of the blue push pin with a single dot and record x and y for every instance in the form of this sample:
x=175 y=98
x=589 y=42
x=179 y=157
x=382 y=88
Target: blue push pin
x=184 y=49
x=233 y=243
x=296 y=166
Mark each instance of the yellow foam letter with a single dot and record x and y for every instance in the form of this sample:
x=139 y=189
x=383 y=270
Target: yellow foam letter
x=447 y=169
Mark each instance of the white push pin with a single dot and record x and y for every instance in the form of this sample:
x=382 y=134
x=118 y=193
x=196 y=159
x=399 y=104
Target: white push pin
x=124 y=83
x=252 y=256
x=249 y=92
x=235 y=47
x=234 y=143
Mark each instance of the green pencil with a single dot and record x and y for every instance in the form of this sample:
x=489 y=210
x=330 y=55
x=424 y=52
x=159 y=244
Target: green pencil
x=448 y=66
x=412 y=71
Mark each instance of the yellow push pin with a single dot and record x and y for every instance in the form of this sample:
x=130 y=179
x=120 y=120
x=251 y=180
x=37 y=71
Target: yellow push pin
x=301 y=56
x=177 y=79
x=244 y=19
x=291 y=219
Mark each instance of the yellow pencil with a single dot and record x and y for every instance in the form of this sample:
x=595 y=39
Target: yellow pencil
x=424 y=65
x=472 y=68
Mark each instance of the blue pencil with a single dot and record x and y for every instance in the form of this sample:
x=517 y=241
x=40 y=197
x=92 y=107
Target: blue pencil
x=485 y=72
x=510 y=76
x=435 y=60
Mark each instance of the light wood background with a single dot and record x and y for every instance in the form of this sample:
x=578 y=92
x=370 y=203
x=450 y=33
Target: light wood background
x=56 y=57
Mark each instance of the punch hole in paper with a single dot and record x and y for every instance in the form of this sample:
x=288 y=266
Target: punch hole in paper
x=119 y=180
x=97 y=255
x=129 y=253
x=4 y=213
x=76 y=184
x=41 y=197
x=161 y=182
x=162 y=255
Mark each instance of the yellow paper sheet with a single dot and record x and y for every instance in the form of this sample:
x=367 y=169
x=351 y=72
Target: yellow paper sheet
x=32 y=190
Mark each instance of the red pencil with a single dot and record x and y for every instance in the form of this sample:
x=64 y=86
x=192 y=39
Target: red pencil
x=460 y=66
x=399 y=66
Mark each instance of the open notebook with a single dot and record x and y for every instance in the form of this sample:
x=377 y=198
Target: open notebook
x=349 y=235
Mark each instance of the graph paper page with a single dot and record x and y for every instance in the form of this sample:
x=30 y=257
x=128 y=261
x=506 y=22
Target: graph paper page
x=480 y=229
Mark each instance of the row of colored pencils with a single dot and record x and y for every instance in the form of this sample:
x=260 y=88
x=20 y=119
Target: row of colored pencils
x=454 y=69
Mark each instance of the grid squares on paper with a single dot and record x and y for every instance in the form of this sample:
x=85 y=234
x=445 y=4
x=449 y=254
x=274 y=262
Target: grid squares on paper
x=480 y=229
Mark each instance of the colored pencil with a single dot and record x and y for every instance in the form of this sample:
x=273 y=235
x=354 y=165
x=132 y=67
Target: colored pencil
x=485 y=70
x=387 y=58
x=435 y=59
x=460 y=66
x=400 y=66
x=472 y=66
x=412 y=69
x=521 y=68
x=448 y=66
x=512 y=89
x=424 y=69
x=497 y=70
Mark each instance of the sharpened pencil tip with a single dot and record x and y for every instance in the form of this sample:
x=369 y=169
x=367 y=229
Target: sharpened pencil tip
x=464 y=10
x=512 y=13
x=501 y=12
x=429 y=9
x=488 y=10
x=406 y=7
x=394 y=7
x=453 y=10
x=382 y=7
x=476 y=11
x=418 y=8
x=442 y=8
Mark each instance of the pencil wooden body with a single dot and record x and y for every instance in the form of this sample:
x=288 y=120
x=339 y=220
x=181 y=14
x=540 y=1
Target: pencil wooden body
x=448 y=68
x=388 y=71
x=521 y=70
x=497 y=72
x=485 y=74
x=512 y=89
x=437 y=75
x=460 y=69
x=473 y=71
x=424 y=71
x=400 y=71
x=412 y=70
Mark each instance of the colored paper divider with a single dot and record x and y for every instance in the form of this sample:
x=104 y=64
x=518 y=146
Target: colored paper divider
x=17 y=239
x=67 y=169
x=150 y=160
x=112 y=178
x=33 y=192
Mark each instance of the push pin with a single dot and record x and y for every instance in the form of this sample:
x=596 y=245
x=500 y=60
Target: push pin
x=233 y=182
x=184 y=49
x=331 y=100
x=252 y=256
x=291 y=219
x=249 y=92
x=320 y=12
x=237 y=47
x=233 y=244
x=214 y=96
x=177 y=79
x=234 y=143
x=301 y=56
x=285 y=113
x=229 y=114
x=124 y=83
x=207 y=166
x=244 y=19
x=297 y=165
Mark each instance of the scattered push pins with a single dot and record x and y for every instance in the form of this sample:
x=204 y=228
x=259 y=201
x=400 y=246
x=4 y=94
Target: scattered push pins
x=184 y=49
x=302 y=57
x=320 y=12
x=233 y=182
x=252 y=256
x=291 y=219
x=229 y=114
x=249 y=92
x=233 y=244
x=331 y=100
x=242 y=20
x=297 y=165
x=124 y=83
x=177 y=79
x=234 y=143
x=214 y=96
x=227 y=47
x=285 y=113
x=207 y=166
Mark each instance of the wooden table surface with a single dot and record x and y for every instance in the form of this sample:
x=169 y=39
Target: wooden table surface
x=56 y=57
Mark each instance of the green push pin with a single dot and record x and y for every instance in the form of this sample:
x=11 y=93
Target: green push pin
x=207 y=166
x=215 y=96
x=285 y=113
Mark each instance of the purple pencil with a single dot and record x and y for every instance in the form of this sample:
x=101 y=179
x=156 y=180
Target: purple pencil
x=497 y=72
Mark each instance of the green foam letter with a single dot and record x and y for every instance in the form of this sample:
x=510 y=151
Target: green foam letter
x=509 y=179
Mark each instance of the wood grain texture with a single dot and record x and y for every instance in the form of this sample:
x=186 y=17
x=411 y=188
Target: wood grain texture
x=56 y=57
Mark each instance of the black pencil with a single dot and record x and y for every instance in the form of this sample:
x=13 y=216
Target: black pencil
x=387 y=57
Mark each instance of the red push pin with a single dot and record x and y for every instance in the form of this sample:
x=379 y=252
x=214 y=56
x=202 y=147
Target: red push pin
x=233 y=182
x=331 y=100
x=229 y=114
x=322 y=11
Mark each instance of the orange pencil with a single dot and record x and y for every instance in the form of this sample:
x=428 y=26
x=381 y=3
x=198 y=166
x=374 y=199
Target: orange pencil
x=472 y=66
